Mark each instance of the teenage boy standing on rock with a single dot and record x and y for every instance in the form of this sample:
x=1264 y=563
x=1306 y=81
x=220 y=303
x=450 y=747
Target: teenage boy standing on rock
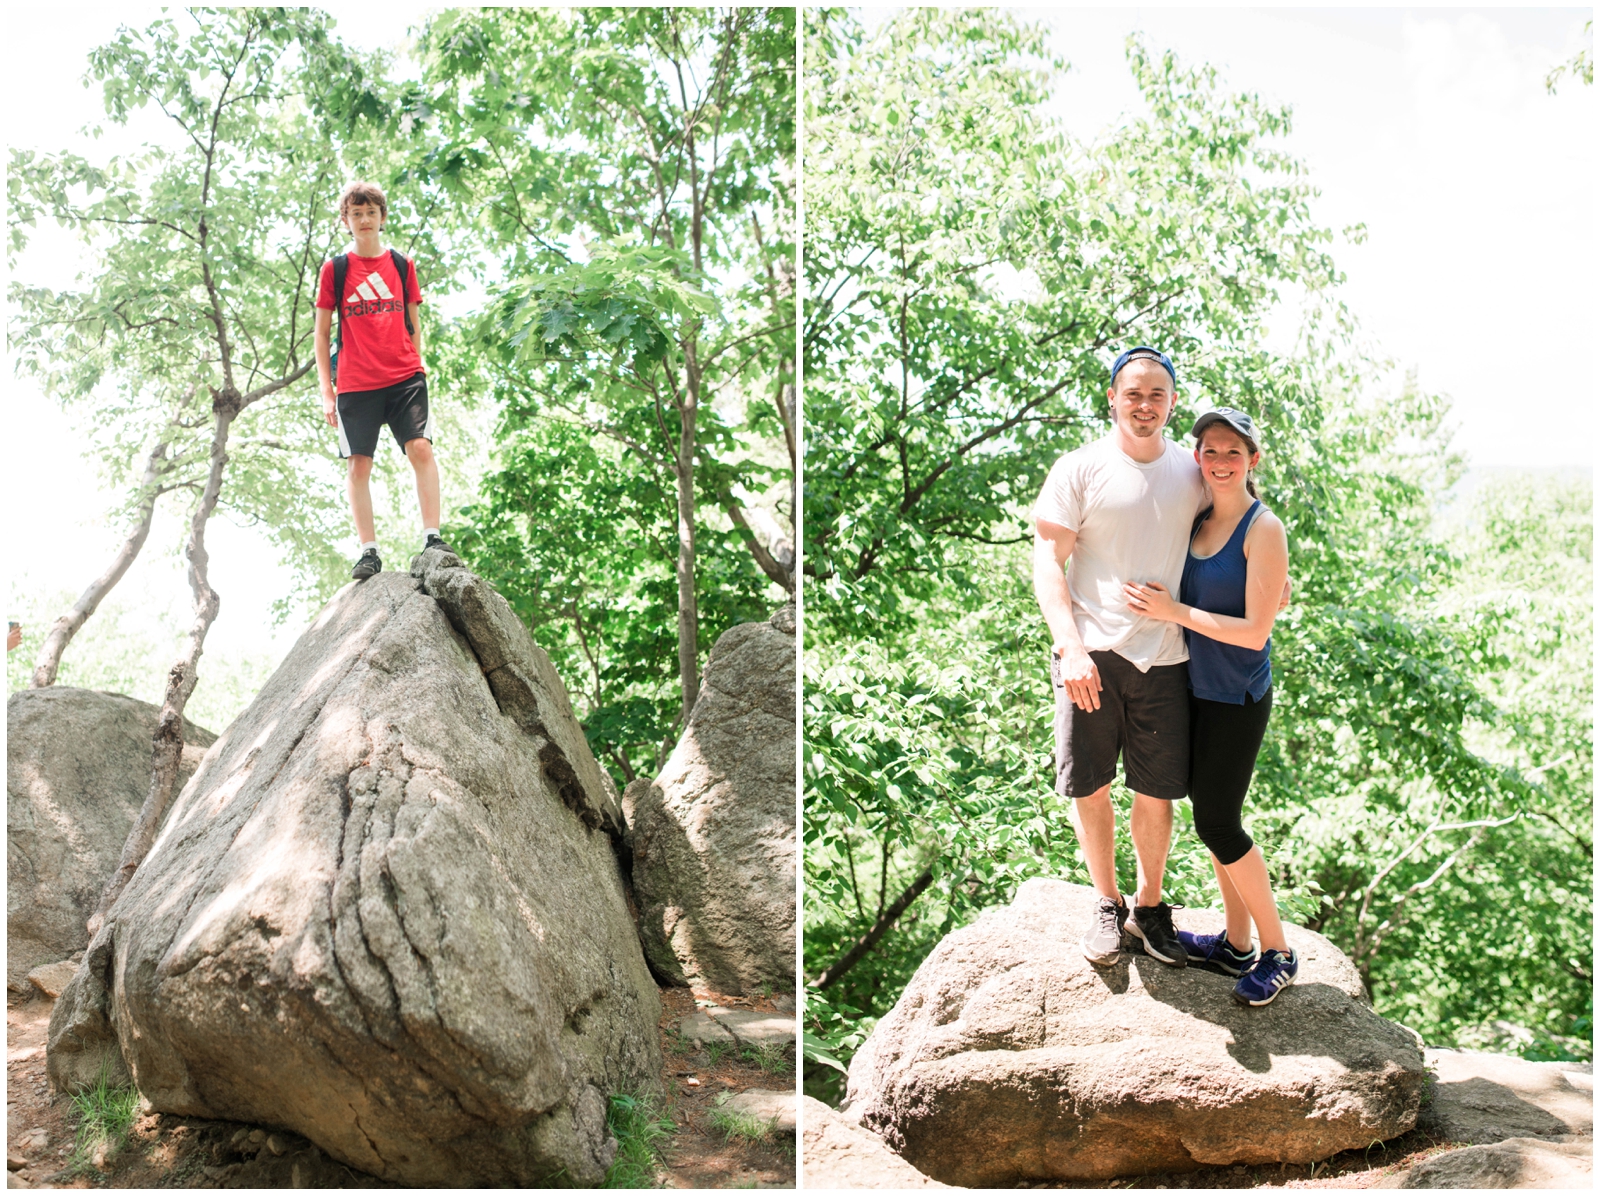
x=1120 y=508
x=378 y=370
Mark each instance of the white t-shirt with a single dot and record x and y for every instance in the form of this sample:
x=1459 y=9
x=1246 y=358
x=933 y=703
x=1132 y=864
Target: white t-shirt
x=1133 y=522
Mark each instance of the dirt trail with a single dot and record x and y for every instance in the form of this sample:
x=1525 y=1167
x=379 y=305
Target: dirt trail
x=188 y=1152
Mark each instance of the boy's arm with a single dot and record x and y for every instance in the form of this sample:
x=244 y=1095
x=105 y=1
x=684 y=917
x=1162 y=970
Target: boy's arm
x=414 y=312
x=321 y=335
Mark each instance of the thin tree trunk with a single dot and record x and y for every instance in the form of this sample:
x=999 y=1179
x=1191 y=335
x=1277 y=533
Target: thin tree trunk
x=780 y=567
x=879 y=928
x=69 y=624
x=166 y=747
x=688 y=608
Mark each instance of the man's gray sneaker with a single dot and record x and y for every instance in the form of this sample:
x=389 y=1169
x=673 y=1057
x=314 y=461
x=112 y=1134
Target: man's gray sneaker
x=1102 y=943
x=1152 y=924
x=367 y=565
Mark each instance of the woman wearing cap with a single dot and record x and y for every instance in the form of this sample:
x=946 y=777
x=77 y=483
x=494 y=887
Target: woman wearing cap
x=1232 y=581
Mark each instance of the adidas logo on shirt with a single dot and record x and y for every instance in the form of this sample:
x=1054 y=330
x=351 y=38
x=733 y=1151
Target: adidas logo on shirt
x=372 y=296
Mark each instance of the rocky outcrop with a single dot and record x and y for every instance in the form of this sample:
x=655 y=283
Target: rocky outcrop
x=77 y=771
x=1009 y=1058
x=838 y=1153
x=1514 y=1163
x=386 y=914
x=1478 y=1098
x=713 y=837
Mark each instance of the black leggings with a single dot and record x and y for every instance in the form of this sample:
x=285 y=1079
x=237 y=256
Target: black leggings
x=1223 y=742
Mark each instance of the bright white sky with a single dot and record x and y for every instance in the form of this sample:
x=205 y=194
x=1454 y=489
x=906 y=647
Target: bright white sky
x=1432 y=126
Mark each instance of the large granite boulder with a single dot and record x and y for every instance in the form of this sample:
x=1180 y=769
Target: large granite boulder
x=713 y=836
x=77 y=771
x=387 y=913
x=1010 y=1058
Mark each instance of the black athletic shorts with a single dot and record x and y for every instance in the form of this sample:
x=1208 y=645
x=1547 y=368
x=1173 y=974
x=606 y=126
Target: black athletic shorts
x=1144 y=717
x=403 y=406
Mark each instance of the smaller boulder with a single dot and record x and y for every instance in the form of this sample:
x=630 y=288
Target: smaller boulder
x=775 y=1108
x=1480 y=1098
x=51 y=978
x=1514 y=1163
x=713 y=837
x=840 y=1154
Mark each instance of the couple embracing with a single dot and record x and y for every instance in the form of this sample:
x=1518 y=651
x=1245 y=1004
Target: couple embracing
x=1161 y=654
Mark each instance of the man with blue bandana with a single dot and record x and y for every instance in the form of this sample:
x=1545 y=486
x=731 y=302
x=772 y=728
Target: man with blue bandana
x=1120 y=510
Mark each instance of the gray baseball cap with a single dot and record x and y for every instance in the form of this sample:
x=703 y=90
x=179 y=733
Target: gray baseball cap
x=1235 y=419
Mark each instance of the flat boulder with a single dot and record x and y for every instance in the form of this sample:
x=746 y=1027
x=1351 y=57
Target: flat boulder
x=387 y=914
x=1513 y=1163
x=713 y=837
x=77 y=771
x=1478 y=1097
x=1009 y=1058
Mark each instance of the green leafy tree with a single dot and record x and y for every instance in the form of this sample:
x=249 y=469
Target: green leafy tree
x=632 y=170
x=973 y=273
x=195 y=324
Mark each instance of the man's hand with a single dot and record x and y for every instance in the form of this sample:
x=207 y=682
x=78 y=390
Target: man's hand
x=1078 y=675
x=330 y=409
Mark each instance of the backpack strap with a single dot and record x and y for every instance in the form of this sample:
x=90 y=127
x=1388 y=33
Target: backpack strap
x=403 y=268
x=341 y=271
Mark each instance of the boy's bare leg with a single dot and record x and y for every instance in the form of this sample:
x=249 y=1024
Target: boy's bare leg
x=1151 y=824
x=420 y=453
x=1096 y=823
x=361 y=498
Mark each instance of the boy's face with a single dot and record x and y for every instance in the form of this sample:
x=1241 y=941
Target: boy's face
x=363 y=218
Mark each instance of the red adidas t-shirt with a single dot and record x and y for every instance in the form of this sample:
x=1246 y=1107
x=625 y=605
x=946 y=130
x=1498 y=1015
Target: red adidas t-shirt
x=375 y=351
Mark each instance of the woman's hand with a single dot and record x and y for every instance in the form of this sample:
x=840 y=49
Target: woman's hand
x=1152 y=600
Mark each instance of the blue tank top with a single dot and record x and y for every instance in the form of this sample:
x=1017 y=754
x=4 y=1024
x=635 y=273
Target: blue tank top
x=1222 y=672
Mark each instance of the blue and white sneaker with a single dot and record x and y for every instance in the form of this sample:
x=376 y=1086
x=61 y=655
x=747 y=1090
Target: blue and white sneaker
x=1274 y=972
x=1215 y=949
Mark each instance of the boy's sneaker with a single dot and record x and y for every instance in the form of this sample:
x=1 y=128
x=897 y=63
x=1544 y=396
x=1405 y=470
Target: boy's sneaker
x=1215 y=949
x=367 y=565
x=1274 y=972
x=437 y=542
x=1102 y=944
x=1152 y=924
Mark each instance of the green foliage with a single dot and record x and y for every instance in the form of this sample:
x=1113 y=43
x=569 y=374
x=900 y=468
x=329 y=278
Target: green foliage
x=206 y=255
x=642 y=1131
x=769 y=1057
x=973 y=274
x=104 y=1114
x=627 y=172
x=735 y=1123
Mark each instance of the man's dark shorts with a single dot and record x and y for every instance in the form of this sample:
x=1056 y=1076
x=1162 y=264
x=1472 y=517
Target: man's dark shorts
x=1142 y=716
x=403 y=406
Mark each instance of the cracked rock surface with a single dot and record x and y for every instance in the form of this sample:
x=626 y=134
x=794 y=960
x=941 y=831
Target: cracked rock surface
x=1010 y=1058
x=386 y=913
x=713 y=836
x=77 y=771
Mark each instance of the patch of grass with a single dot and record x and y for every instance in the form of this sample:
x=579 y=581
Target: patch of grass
x=716 y=1050
x=677 y=1043
x=735 y=1123
x=642 y=1131
x=105 y=1115
x=769 y=1057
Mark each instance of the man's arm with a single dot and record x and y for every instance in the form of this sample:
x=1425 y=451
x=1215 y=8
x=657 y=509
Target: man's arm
x=1052 y=548
x=414 y=314
x=321 y=333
